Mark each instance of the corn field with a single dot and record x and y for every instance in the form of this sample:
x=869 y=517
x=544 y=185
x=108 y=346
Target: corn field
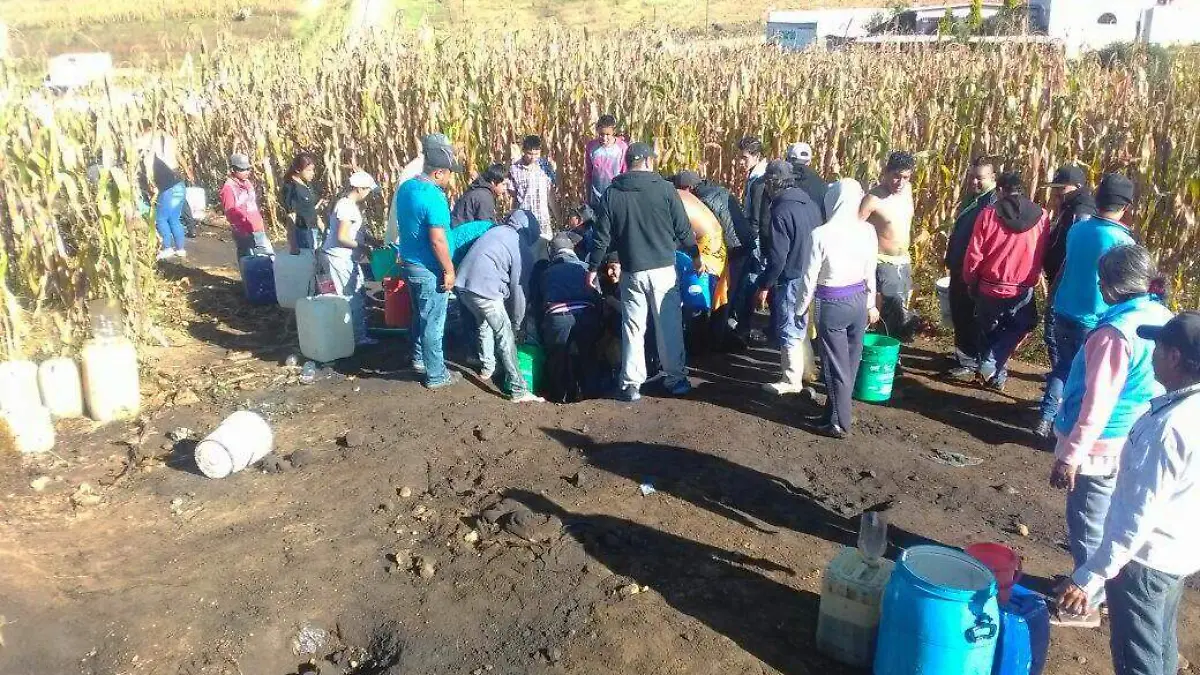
x=67 y=240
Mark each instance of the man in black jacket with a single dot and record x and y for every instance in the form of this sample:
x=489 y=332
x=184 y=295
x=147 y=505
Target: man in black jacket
x=800 y=155
x=758 y=225
x=981 y=193
x=479 y=201
x=794 y=216
x=1072 y=201
x=643 y=220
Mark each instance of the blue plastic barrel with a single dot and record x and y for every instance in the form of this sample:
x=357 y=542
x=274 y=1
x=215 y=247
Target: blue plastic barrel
x=1024 y=634
x=939 y=615
x=258 y=279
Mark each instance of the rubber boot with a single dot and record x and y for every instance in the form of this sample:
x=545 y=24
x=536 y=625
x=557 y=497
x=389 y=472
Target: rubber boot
x=793 y=359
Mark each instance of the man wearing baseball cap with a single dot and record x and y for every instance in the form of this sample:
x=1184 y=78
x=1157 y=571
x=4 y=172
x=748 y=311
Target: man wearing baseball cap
x=1149 y=545
x=239 y=200
x=422 y=214
x=800 y=156
x=1076 y=299
x=643 y=219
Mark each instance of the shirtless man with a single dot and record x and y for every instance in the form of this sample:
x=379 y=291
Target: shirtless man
x=889 y=207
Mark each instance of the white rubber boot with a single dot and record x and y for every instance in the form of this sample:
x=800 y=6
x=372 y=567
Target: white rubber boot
x=793 y=359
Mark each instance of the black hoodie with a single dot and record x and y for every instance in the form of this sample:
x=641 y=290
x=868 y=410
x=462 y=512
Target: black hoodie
x=643 y=220
x=1077 y=206
x=477 y=203
x=794 y=216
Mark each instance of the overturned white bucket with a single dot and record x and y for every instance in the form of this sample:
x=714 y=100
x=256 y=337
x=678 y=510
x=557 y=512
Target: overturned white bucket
x=241 y=440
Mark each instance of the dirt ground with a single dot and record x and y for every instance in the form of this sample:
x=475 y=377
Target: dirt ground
x=452 y=532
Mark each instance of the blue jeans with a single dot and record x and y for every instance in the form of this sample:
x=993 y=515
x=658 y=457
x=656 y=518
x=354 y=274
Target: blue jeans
x=428 y=321
x=1002 y=324
x=348 y=282
x=1143 y=615
x=786 y=327
x=496 y=333
x=1069 y=337
x=742 y=299
x=168 y=216
x=1087 y=507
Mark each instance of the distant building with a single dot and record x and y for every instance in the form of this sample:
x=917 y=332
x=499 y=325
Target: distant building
x=72 y=71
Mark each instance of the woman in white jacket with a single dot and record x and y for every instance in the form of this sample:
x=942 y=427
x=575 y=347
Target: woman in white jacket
x=840 y=273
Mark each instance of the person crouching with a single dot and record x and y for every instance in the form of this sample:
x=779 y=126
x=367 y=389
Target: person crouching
x=568 y=309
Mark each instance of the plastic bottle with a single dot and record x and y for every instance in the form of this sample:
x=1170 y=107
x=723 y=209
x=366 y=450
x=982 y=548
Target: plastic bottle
x=872 y=536
x=308 y=373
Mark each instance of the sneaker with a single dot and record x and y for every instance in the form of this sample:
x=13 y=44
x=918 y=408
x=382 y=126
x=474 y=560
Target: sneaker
x=487 y=373
x=180 y=253
x=451 y=380
x=827 y=430
x=1044 y=429
x=527 y=398
x=629 y=394
x=680 y=388
x=961 y=374
x=1089 y=620
x=418 y=367
x=165 y=254
x=995 y=384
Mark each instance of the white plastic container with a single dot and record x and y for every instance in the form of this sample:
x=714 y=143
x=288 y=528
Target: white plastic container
x=851 y=595
x=110 y=379
x=61 y=387
x=295 y=277
x=323 y=322
x=19 y=385
x=197 y=201
x=943 y=296
x=30 y=429
x=241 y=440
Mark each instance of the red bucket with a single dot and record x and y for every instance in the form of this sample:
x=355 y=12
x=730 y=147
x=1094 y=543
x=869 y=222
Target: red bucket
x=397 y=307
x=1004 y=563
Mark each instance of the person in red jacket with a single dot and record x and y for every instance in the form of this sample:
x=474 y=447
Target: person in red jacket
x=239 y=199
x=1003 y=262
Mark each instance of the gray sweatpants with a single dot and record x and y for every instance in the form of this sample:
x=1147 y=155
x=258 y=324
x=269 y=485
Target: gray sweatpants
x=841 y=325
x=654 y=295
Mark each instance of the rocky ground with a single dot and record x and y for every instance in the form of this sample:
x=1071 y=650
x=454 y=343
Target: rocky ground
x=397 y=530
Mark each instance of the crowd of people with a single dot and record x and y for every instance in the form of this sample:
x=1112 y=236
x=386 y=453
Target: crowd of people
x=646 y=264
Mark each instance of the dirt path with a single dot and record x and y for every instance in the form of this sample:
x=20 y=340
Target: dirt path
x=384 y=539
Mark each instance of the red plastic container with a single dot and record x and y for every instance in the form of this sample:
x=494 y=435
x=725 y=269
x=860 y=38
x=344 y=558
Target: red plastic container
x=1004 y=563
x=397 y=307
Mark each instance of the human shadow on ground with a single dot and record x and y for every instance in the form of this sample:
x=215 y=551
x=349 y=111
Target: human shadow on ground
x=728 y=591
x=989 y=421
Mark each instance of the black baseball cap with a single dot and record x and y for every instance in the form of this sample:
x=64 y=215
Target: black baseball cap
x=639 y=152
x=1181 y=332
x=686 y=179
x=1069 y=176
x=1114 y=192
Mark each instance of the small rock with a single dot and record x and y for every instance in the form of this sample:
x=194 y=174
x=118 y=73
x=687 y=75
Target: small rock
x=579 y=480
x=1022 y=529
x=386 y=506
x=38 y=484
x=866 y=474
x=180 y=434
x=426 y=569
x=186 y=397
x=275 y=464
x=1081 y=660
x=302 y=457
x=176 y=503
x=1006 y=489
x=483 y=434
x=419 y=510
x=628 y=591
x=405 y=492
x=477 y=671
x=552 y=654
x=352 y=439
x=471 y=537
x=524 y=524
x=85 y=496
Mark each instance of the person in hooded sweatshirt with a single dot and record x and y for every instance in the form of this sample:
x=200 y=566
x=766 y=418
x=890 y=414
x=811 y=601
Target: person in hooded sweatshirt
x=479 y=201
x=794 y=216
x=567 y=313
x=494 y=274
x=1002 y=266
x=642 y=218
x=800 y=155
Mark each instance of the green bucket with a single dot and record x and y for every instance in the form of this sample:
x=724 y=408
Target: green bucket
x=530 y=359
x=878 y=368
x=383 y=262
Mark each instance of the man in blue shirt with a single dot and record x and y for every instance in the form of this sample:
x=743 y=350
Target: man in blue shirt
x=423 y=216
x=1077 y=302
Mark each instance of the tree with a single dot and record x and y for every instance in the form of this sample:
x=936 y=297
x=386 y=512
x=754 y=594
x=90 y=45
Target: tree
x=975 y=18
x=946 y=24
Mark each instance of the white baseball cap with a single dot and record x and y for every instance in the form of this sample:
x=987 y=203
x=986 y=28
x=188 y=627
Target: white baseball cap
x=362 y=179
x=800 y=152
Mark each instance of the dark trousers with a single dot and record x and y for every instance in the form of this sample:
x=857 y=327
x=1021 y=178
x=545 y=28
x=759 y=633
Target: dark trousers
x=962 y=315
x=572 y=359
x=1003 y=323
x=894 y=284
x=1069 y=338
x=1143 y=615
x=840 y=328
x=722 y=317
x=742 y=299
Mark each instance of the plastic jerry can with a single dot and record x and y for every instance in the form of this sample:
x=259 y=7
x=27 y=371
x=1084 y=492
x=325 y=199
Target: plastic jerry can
x=29 y=431
x=397 y=303
x=19 y=385
x=111 y=388
x=1024 y=634
x=323 y=322
x=295 y=277
x=851 y=596
x=61 y=387
x=258 y=278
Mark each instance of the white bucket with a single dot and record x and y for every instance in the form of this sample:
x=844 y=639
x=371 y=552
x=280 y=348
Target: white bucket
x=943 y=296
x=30 y=429
x=241 y=440
x=197 y=201
x=62 y=387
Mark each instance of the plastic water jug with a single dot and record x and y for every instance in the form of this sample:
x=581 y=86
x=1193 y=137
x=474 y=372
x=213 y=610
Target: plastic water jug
x=29 y=431
x=295 y=277
x=241 y=440
x=258 y=278
x=397 y=303
x=197 y=202
x=323 y=322
x=19 y=385
x=851 y=594
x=943 y=295
x=111 y=388
x=61 y=387
x=697 y=292
x=1024 y=634
x=939 y=615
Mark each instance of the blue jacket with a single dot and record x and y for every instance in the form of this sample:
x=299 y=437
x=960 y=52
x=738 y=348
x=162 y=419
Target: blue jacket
x=497 y=266
x=1140 y=385
x=1078 y=295
x=794 y=216
x=562 y=281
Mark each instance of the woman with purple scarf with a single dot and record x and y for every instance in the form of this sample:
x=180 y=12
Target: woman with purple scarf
x=840 y=275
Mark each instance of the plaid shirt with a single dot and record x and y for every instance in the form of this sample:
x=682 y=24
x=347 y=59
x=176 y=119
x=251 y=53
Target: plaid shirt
x=530 y=186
